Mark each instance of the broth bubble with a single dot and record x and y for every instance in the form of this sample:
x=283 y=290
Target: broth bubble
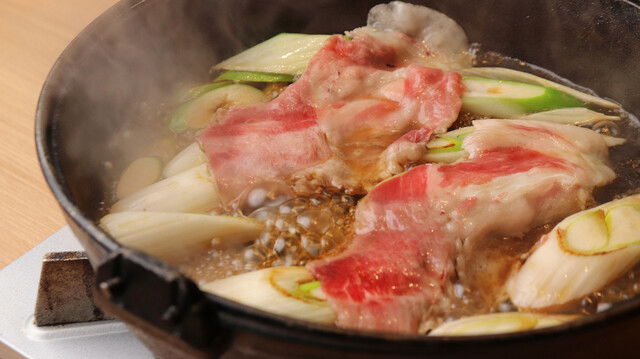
x=264 y=194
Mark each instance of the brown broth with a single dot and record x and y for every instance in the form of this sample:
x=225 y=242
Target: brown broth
x=296 y=231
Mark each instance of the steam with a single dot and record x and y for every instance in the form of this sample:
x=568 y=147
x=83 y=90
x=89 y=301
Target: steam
x=123 y=76
x=125 y=73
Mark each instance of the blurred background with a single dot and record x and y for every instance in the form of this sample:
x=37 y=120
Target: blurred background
x=33 y=33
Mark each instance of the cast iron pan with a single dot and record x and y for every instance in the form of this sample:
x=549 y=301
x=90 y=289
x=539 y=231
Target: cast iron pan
x=104 y=98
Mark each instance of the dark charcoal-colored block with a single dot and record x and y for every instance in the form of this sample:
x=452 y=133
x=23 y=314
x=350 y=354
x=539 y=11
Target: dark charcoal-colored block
x=65 y=290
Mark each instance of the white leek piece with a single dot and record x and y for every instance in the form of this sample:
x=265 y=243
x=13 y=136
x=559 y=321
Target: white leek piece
x=139 y=174
x=176 y=236
x=200 y=111
x=447 y=147
x=576 y=116
x=613 y=141
x=192 y=156
x=582 y=254
x=570 y=116
x=192 y=191
x=497 y=323
x=288 y=291
x=514 y=75
x=282 y=54
x=508 y=99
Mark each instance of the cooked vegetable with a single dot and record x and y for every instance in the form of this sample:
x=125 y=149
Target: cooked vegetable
x=497 y=323
x=447 y=147
x=188 y=158
x=501 y=73
x=199 y=112
x=252 y=76
x=577 y=116
x=189 y=192
x=613 y=141
x=570 y=116
x=282 y=54
x=580 y=255
x=198 y=91
x=177 y=236
x=290 y=291
x=140 y=173
x=506 y=99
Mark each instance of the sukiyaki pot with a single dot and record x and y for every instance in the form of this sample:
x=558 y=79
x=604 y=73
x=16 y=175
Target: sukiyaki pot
x=393 y=178
x=353 y=179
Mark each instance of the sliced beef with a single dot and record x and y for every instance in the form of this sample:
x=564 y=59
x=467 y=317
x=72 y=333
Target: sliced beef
x=519 y=174
x=361 y=111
